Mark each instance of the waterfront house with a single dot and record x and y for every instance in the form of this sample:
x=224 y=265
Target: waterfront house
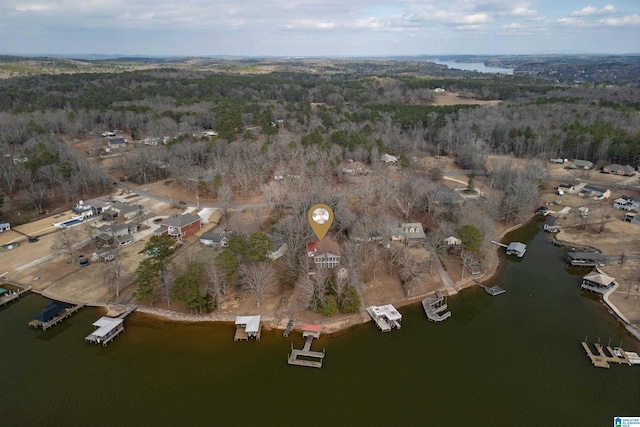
x=586 y=259
x=386 y=316
x=119 y=211
x=5 y=226
x=325 y=253
x=95 y=206
x=247 y=327
x=582 y=164
x=617 y=169
x=214 y=239
x=179 y=226
x=597 y=281
x=411 y=233
x=516 y=248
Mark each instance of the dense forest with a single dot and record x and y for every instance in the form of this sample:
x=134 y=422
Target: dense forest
x=307 y=115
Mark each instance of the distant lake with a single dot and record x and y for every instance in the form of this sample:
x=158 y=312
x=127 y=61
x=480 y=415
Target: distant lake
x=474 y=66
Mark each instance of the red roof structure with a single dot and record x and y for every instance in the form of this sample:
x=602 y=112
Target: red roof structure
x=324 y=246
x=310 y=327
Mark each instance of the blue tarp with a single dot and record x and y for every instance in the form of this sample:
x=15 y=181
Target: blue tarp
x=51 y=310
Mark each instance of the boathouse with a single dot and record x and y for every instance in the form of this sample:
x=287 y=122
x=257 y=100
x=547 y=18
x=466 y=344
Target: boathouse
x=597 y=282
x=107 y=328
x=386 y=316
x=247 y=327
x=585 y=259
x=516 y=248
x=307 y=357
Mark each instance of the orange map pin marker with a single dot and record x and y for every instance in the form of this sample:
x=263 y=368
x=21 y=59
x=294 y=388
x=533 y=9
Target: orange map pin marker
x=320 y=219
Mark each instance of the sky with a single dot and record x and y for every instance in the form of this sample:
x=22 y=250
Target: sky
x=318 y=27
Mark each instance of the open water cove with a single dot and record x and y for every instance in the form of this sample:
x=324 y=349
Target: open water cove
x=513 y=359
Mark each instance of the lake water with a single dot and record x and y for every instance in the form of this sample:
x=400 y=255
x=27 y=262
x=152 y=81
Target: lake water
x=475 y=66
x=509 y=360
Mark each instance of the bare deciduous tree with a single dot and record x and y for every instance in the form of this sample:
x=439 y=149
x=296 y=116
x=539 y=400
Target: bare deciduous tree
x=257 y=277
x=65 y=241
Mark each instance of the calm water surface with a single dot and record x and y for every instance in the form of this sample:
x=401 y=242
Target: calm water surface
x=475 y=66
x=510 y=360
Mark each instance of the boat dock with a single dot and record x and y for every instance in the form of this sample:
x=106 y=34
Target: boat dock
x=54 y=313
x=108 y=328
x=602 y=359
x=307 y=357
x=6 y=295
x=386 y=317
x=493 y=290
x=433 y=307
x=289 y=327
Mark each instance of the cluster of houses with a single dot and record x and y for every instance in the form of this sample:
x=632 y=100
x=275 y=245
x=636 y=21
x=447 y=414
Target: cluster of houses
x=614 y=169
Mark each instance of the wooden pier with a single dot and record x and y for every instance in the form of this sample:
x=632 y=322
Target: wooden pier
x=433 y=307
x=307 y=357
x=65 y=313
x=493 y=290
x=289 y=327
x=602 y=359
x=8 y=295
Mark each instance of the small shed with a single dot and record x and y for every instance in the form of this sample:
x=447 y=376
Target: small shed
x=247 y=327
x=453 y=241
x=516 y=248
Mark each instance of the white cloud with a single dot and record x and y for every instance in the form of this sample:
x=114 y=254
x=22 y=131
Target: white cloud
x=624 y=20
x=523 y=12
x=34 y=7
x=513 y=26
x=594 y=11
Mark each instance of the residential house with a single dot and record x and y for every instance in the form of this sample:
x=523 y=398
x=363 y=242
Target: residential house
x=411 y=233
x=95 y=206
x=5 y=226
x=117 y=142
x=617 y=169
x=582 y=164
x=120 y=212
x=597 y=281
x=594 y=192
x=567 y=188
x=452 y=241
x=114 y=231
x=214 y=239
x=179 y=226
x=105 y=254
x=626 y=203
x=279 y=248
x=325 y=253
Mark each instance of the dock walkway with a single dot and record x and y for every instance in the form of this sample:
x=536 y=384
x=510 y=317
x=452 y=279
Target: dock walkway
x=287 y=331
x=602 y=359
x=13 y=295
x=493 y=290
x=307 y=357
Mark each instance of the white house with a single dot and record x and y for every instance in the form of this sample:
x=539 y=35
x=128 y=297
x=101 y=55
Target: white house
x=214 y=239
x=452 y=241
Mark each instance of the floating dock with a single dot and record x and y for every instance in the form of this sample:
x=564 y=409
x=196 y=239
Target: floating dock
x=433 y=307
x=386 y=317
x=615 y=355
x=493 y=290
x=108 y=328
x=307 y=357
x=7 y=295
x=54 y=313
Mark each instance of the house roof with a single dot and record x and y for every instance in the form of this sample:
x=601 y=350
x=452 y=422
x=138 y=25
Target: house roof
x=599 y=278
x=586 y=256
x=616 y=167
x=117 y=141
x=325 y=246
x=453 y=240
x=179 y=221
x=105 y=325
x=388 y=158
x=310 y=327
x=214 y=237
x=582 y=163
x=593 y=189
x=516 y=247
x=252 y=323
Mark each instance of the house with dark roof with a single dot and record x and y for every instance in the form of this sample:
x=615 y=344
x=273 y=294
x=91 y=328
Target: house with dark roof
x=116 y=142
x=617 y=169
x=411 y=233
x=180 y=226
x=594 y=192
x=119 y=211
x=325 y=253
x=214 y=239
x=581 y=164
